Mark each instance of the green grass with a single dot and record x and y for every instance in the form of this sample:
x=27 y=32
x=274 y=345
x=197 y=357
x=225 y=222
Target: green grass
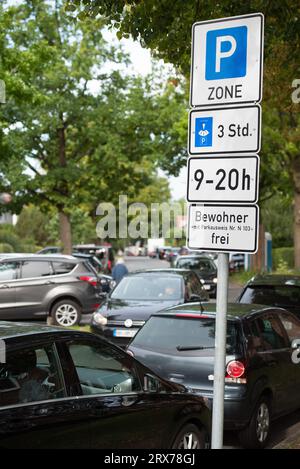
x=241 y=278
x=81 y=328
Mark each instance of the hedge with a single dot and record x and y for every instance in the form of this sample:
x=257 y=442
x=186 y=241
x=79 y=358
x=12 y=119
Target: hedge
x=283 y=256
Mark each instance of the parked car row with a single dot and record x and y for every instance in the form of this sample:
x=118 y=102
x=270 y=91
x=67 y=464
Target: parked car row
x=164 y=320
x=140 y=294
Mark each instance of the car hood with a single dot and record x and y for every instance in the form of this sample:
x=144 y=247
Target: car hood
x=137 y=310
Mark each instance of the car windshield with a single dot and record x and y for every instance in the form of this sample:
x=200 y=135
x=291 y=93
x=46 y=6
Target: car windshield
x=148 y=287
x=273 y=295
x=203 y=265
x=170 y=334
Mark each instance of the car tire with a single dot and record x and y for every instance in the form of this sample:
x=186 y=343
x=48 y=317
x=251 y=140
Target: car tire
x=257 y=433
x=190 y=437
x=66 y=313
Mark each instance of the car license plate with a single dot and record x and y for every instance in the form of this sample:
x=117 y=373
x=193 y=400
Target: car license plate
x=206 y=287
x=124 y=332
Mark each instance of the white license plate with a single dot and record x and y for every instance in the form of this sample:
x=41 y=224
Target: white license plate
x=124 y=332
x=206 y=287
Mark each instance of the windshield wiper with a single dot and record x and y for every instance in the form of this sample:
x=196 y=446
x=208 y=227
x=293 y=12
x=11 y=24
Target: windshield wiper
x=183 y=348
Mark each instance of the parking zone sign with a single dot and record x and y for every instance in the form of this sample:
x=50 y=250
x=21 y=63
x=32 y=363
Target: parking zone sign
x=227 y=61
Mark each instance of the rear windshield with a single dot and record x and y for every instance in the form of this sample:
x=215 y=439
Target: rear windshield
x=284 y=295
x=168 y=333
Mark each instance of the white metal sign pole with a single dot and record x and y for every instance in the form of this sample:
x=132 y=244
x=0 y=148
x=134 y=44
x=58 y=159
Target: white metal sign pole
x=220 y=351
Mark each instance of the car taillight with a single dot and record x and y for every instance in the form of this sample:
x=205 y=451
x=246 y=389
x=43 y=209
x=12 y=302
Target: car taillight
x=89 y=279
x=235 y=371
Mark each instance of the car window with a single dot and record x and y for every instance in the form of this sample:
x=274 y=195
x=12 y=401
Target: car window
x=31 y=269
x=195 y=285
x=61 y=268
x=271 y=332
x=30 y=375
x=168 y=333
x=149 y=287
x=102 y=370
x=284 y=296
x=194 y=263
x=291 y=325
x=8 y=271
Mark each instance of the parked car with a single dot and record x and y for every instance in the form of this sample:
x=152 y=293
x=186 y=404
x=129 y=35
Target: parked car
x=204 y=267
x=105 y=254
x=261 y=380
x=236 y=262
x=273 y=290
x=140 y=294
x=61 y=388
x=41 y=286
x=172 y=256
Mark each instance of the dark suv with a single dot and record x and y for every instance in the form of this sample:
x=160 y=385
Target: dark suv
x=39 y=286
x=273 y=290
x=262 y=370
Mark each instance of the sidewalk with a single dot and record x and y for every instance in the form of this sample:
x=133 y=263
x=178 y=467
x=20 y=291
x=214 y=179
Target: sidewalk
x=291 y=442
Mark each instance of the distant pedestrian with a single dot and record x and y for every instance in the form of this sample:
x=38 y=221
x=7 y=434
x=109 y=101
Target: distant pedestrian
x=119 y=270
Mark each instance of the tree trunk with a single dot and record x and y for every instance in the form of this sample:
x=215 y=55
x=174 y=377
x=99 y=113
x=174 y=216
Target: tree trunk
x=65 y=232
x=64 y=218
x=296 y=176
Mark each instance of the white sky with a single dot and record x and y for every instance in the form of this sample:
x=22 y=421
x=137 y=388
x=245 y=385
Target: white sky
x=141 y=64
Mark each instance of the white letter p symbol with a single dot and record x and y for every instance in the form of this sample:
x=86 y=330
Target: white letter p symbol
x=222 y=55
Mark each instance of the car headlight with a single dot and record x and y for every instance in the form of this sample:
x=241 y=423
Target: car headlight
x=202 y=281
x=215 y=280
x=99 y=319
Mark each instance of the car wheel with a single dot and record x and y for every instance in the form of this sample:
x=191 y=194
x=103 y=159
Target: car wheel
x=66 y=313
x=257 y=433
x=189 y=437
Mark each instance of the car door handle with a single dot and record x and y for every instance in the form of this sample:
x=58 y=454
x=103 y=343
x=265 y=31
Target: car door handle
x=176 y=377
x=49 y=282
x=3 y=286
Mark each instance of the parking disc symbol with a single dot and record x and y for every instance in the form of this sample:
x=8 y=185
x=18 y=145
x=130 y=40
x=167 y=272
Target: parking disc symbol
x=203 y=131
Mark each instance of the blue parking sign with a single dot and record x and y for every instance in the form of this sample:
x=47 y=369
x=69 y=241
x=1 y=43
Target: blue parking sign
x=203 y=131
x=226 y=53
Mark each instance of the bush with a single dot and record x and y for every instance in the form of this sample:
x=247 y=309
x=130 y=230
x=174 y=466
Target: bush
x=30 y=248
x=283 y=258
x=5 y=248
x=10 y=238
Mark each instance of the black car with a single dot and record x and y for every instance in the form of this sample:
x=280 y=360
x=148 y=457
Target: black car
x=140 y=294
x=262 y=370
x=104 y=253
x=68 y=389
x=48 y=286
x=204 y=267
x=273 y=290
